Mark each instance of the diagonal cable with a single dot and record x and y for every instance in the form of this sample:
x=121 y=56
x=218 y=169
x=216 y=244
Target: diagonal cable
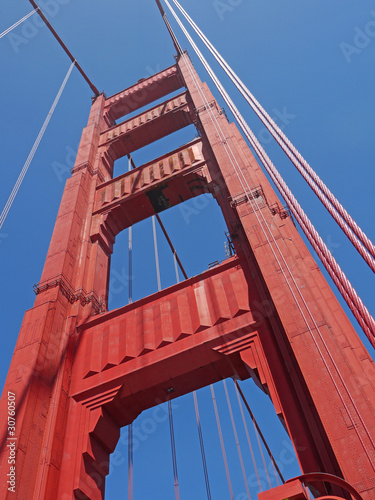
x=18 y=23
x=25 y=168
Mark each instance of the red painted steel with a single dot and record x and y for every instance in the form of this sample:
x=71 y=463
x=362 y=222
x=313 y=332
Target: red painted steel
x=79 y=373
x=297 y=488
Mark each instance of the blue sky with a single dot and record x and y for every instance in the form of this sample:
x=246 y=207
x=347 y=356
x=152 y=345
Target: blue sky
x=311 y=65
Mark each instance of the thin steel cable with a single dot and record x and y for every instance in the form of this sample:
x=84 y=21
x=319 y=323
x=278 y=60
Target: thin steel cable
x=174 y=455
x=18 y=23
x=130 y=246
x=156 y=253
x=130 y=461
x=201 y=443
x=176 y=267
x=262 y=455
x=222 y=443
x=130 y=231
x=249 y=441
x=237 y=440
x=173 y=250
x=25 y=168
x=334 y=207
x=130 y=427
x=253 y=419
x=170 y=412
x=263 y=158
x=162 y=227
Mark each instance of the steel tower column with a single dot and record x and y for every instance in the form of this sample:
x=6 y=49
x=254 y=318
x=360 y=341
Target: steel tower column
x=79 y=372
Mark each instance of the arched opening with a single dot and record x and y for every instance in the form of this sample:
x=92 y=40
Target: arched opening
x=197 y=231
x=152 y=460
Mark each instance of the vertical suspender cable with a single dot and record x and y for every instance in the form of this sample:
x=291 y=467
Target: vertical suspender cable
x=237 y=440
x=130 y=461
x=156 y=253
x=174 y=252
x=222 y=443
x=130 y=264
x=262 y=455
x=130 y=249
x=18 y=23
x=200 y=435
x=203 y=454
x=249 y=441
x=174 y=456
x=170 y=412
x=130 y=426
x=177 y=263
x=176 y=267
x=239 y=391
x=18 y=183
x=338 y=212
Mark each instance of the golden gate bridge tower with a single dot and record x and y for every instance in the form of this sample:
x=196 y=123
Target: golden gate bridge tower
x=80 y=373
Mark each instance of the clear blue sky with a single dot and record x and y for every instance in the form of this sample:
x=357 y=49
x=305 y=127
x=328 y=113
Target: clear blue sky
x=312 y=61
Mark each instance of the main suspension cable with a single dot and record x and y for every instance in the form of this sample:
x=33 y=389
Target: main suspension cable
x=169 y=28
x=263 y=156
x=25 y=168
x=354 y=302
x=334 y=207
x=65 y=48
x=18 y=23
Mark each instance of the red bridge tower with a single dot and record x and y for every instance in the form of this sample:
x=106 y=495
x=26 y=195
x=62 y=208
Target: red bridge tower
x=80 y=373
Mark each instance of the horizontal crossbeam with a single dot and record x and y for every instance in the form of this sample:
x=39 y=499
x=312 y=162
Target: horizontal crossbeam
x=196 y=312
x=150 y=178
x=147 y=127
x=144 y=92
